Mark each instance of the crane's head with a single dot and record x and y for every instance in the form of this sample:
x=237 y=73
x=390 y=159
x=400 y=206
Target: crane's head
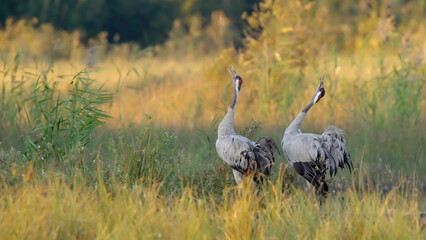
x=236 y=79
x=320 y=92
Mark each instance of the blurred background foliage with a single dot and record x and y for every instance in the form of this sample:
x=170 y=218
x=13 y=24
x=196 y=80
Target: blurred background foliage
x=146 y=22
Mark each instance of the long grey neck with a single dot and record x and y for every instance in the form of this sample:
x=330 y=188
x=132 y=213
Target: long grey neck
x=297 y=122
x=226 y=127
x=234 y=99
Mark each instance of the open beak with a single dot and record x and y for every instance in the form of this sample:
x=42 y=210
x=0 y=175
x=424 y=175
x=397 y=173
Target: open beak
x=232 y=75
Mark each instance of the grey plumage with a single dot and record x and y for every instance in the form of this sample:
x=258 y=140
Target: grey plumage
x=312 y=154
x=243 y=155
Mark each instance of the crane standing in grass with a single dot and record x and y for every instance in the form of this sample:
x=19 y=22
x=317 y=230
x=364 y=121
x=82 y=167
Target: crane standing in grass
x=312 y=154
x=244 y=156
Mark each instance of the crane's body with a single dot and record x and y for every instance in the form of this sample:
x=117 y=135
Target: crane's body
x=229 y=148
x=311 y=155
x=243 y=155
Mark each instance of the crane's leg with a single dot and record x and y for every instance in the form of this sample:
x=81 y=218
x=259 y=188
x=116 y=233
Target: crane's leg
x=320 y=195
x=323 y=188
x=238 y=176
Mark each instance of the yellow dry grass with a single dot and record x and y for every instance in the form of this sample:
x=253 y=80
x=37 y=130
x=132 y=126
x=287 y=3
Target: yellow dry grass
x=51 y=209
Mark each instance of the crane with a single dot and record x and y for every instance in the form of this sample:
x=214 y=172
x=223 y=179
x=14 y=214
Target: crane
x=244 y=156
x=311 y=155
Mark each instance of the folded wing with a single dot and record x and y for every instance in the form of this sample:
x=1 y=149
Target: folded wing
x=246 y=156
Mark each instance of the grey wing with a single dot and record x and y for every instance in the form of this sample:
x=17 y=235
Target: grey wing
x=236 y=152
x=308 y=171
x=307 y=156
x=333 y=142
x=303 y=148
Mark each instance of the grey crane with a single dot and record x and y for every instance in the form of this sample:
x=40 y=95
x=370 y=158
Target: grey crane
x=245 y=157
x=312 y=154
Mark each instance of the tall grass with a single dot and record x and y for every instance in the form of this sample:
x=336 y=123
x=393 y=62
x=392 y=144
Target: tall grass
x=60 y=122
x=51 y=209
x=76 y=162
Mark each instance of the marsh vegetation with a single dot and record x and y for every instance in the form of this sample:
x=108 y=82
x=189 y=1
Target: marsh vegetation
x=110 y=140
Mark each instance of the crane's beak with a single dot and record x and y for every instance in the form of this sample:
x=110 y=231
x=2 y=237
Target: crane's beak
x=235 y=77
x=234 y=70
x=321 y=83
x=232 y=75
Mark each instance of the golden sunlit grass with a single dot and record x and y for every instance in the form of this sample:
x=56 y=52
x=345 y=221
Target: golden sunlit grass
x=51 y=209
x=152 y=171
